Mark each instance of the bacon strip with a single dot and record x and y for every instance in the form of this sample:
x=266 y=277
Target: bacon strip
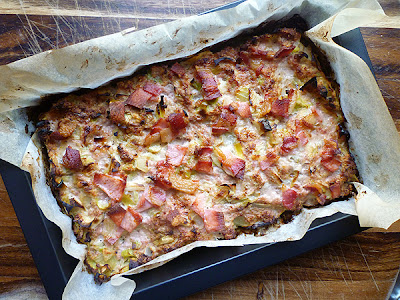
x=177 y=122
x=303 y=138
x=138 y=98
x=155 y=132
x=143 y=203
x=289 y=197
x=245 y=57
x=127 y=220
x=280 y=107
x=153 y=88
x=113 y=186
x=329 y=158
x=219 y=130
x=72 y=159
x=314 y=188
x=256 y=51
x=270 y=159
x=198 y=204
x=117 y=112
x=225 y=123
x=116 y=214
x=157 y=196
x=335 y=190
x=209 y=85
x=236 y=166
x=284 y=51
x=231 y=164
x=131 y=220
x=289 y=143
x=178 y=69
x=214 y=221
x=56 y=135
x=242 y=109
x=204 y=163
x=331 y=165
x=175 y=154
x=166 y=129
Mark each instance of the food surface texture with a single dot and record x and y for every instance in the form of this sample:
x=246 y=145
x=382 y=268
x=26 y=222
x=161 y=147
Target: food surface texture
x=223 y=143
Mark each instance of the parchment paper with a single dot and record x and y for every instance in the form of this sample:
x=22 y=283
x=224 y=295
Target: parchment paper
x=374 y=140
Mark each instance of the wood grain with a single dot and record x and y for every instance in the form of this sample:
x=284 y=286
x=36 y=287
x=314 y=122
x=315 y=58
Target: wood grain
x=31 y=27
x=359 y=267
x=16 y=264
x=337 y=271
x=385 y=61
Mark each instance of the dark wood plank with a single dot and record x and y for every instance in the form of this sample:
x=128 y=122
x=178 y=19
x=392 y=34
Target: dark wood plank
x=39 y=26
x=119 y=8
x=391 y=7
x=384 y=51
x=359 y=267
x=16 y=264
x=25 y=36
x=362 y=266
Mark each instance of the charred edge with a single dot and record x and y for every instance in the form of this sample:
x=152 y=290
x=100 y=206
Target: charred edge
x=345 y=134
x=266 y=126
x=133 y=264
x=287 y=216
x=50 y=169
x=322 y=61
x=269 y=27
x=162 y=104
x=81 y=223
x=312 y=86
x=218 y=60
x=42 y=123
x=74 y=203
x=98 y=277
x=309 y=85
x=43 y=132
x=60 y=184
x=95 y=115
x=115 y=165
x=257 y=227
x=352 y=192
x=343 y=131
x=148 y=110
x=67 y=207
x=87 y=237
x=301 y=55
x=260 y=225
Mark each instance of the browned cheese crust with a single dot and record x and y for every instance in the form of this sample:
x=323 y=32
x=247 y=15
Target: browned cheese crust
x=204 y=148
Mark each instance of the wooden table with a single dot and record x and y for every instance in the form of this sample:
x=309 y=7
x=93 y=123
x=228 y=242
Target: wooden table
x=362 y=266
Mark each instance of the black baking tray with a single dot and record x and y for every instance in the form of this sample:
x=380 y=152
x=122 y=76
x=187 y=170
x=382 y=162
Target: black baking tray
x=196 y=270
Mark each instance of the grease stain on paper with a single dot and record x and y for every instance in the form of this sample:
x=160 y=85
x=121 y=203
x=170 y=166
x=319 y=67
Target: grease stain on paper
x=382 y=180
x=374 y=158
x=85 y=64
x=355 y=120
